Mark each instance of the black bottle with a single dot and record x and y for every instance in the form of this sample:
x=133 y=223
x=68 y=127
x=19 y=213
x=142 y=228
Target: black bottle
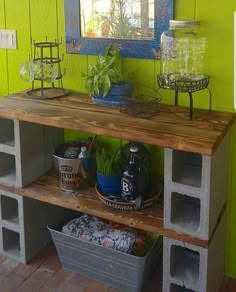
x=129 y=181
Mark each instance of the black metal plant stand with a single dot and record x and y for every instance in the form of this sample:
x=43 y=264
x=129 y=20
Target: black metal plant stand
x=189 y=86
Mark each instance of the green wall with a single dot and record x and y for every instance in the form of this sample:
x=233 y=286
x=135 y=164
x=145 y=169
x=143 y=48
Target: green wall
x=34 y=19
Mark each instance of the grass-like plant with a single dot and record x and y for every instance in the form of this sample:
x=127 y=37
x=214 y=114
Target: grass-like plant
x=108 y=162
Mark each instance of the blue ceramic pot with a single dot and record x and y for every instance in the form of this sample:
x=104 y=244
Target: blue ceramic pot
x=118 y=95
x=124 y=89
x=109 y=184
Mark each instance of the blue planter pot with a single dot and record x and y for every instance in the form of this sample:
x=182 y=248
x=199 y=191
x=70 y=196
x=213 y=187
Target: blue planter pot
x=118 y=95
x=124 y=89
x=110 y=185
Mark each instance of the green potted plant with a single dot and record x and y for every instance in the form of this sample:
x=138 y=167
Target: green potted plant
x=108 y=171
x=105 y=82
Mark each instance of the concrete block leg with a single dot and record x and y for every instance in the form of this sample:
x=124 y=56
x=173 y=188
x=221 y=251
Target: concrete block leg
x=23 y=224
x=26 y=150
x=195 y=190
x=188 y=267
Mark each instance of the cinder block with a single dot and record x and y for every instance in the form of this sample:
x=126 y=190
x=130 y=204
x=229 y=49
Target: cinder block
x=177 y=288
x=10 y=204
x=195 y=190
x=23 y=224
x=188 y=267
x=8 y=168
x=26 y=150
x=6 y=132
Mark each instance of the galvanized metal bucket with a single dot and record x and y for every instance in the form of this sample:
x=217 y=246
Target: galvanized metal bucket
x=72 y=173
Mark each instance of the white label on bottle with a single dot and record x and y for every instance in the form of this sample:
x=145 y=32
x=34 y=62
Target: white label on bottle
x=126 y=186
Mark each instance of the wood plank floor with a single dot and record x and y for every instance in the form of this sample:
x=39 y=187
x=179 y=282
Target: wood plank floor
x=45 y=274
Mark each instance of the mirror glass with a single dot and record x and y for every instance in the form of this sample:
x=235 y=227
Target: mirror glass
x=135 y=26
x=117 y=19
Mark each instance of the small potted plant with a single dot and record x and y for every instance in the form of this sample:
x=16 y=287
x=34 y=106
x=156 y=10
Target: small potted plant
x=108 y=171
x=105 y=82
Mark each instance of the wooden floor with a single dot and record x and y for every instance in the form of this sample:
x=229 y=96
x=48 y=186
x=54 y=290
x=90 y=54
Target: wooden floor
x=45 y=274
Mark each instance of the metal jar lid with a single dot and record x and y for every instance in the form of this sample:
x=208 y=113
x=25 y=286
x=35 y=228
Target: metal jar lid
x=183 y=23
x=133 y=149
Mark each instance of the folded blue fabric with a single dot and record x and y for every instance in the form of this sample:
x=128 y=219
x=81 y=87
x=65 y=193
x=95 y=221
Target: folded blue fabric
x=95 y=230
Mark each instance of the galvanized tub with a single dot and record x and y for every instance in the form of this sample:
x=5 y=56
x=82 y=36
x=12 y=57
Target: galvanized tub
x=125 y=271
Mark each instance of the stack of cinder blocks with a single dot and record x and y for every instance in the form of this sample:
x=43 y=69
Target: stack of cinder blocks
x=195 y=193
x=22 y=226
x=25 y=150
x=25 y=154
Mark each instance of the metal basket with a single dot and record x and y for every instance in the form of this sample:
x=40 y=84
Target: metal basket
x=143 y=105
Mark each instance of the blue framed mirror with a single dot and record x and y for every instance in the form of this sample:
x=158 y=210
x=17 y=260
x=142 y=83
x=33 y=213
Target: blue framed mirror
x=134 y=26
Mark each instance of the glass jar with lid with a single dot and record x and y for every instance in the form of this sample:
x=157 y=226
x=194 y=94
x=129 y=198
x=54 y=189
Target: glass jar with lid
x=183 y=51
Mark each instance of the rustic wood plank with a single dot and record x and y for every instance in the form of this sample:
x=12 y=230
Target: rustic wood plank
x=11 y=282
x=19 y=274
x=79 y=283
x=58 y=281
x=171 y=128
x=6 y=267
x=46 y=189
x=41 y=275
x=97 y=286
x=35 y=263
x=2 y=258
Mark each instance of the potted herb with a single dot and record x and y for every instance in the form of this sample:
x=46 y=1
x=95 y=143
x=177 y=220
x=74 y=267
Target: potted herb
x=108 y=171
x=105 y=82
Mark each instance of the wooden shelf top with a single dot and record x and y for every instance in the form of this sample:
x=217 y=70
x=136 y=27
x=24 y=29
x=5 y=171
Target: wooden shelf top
x=46 y=189
x=170 y=128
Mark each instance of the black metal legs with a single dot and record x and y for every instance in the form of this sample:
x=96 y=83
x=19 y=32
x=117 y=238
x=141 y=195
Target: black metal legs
x=190 y=103
x=176 y=97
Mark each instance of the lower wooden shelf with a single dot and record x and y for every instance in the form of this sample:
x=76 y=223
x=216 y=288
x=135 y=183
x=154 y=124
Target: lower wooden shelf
x=46 y=189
